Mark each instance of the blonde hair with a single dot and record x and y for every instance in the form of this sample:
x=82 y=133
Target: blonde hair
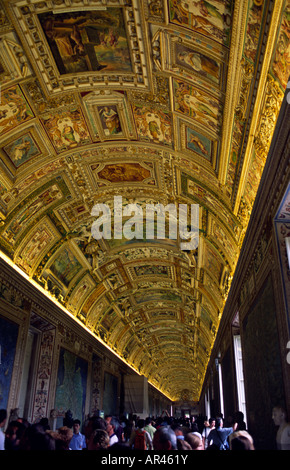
x=242 y=436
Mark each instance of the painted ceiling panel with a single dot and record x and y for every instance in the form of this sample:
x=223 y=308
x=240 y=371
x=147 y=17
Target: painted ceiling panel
x=154 y=102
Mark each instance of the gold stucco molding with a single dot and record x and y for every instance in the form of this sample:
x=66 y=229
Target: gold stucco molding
x=266 y=97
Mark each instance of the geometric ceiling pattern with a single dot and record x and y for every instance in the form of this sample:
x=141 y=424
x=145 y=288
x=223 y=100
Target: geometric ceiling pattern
x=167 y=102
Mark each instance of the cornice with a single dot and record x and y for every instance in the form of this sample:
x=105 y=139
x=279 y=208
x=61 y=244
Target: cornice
x=271 y=190
x=40 y=304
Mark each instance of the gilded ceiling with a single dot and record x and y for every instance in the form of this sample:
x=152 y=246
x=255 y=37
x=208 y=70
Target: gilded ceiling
x=155 y=101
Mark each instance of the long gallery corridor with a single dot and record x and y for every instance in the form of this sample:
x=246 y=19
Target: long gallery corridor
x=145 y=216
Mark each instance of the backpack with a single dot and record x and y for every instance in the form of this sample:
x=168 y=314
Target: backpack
x=140 y=441
x=224 y=444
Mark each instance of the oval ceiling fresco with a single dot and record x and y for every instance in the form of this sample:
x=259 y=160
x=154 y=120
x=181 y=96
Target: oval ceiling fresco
x=150 y=103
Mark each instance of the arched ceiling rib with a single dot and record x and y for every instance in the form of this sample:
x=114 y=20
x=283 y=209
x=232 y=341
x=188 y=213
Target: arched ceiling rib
x=158 y=102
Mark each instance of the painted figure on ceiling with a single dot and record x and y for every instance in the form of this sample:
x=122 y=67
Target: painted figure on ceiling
x=111 y=119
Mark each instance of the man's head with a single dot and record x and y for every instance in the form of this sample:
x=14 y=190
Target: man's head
x=278 y=415
x=108 y=418
x=110 y=428
x=92 y=423
x=76 y=426
x=219 y=423
x=177 y=429
x=140 y=423
x=164 y=439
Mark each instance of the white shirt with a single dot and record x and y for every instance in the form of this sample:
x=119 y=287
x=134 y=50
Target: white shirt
x=2 y=440
x=113 y=439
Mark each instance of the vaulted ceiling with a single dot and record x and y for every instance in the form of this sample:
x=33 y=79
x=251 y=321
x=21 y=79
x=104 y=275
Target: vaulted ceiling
x=160 y=102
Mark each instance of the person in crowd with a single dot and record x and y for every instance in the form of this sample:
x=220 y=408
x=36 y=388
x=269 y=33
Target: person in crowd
x=91 y=424
x=279 y=417
x=241 y=440
x=78 y=441
x=208 y=426
x=239 y=419
x=13 y=435
x=119 y=431
x=35 y=437
x=100 y=440
x=164 y=439
x=140 y=438
x=218 y=436
x=3 y=418
x=177 y=428
x=194 y=425
x=149 y=427
x=62 y=437
x=183 y=445
x=44 y=423
x=195 y=440
x=111 y=431
x=128 y=429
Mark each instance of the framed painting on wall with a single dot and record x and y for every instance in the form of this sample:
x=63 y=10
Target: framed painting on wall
x=71 y=385
x=8 y=341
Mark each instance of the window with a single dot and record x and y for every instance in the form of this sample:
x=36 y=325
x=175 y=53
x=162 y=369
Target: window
x=287 y=241
x=207 y=404
x=240 y=375
x=219 y=369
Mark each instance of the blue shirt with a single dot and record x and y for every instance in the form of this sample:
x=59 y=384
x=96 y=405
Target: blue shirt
x=218 y=436
x=78 y=442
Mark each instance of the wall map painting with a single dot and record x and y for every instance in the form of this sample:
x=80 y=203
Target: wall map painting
x=87 y=40
x=71 y=384
x=8 y=340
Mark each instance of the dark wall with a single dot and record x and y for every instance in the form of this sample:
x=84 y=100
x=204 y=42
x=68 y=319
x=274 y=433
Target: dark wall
x=228 y=387
x=262 y=367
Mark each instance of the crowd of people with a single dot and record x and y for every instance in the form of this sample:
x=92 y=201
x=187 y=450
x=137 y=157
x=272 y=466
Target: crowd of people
x=115 y=434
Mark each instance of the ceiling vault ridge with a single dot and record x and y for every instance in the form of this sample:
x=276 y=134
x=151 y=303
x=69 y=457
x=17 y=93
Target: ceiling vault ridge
x=234 y=72
x=260 y=85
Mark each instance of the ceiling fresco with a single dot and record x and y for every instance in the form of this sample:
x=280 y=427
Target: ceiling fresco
x=160 y=102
